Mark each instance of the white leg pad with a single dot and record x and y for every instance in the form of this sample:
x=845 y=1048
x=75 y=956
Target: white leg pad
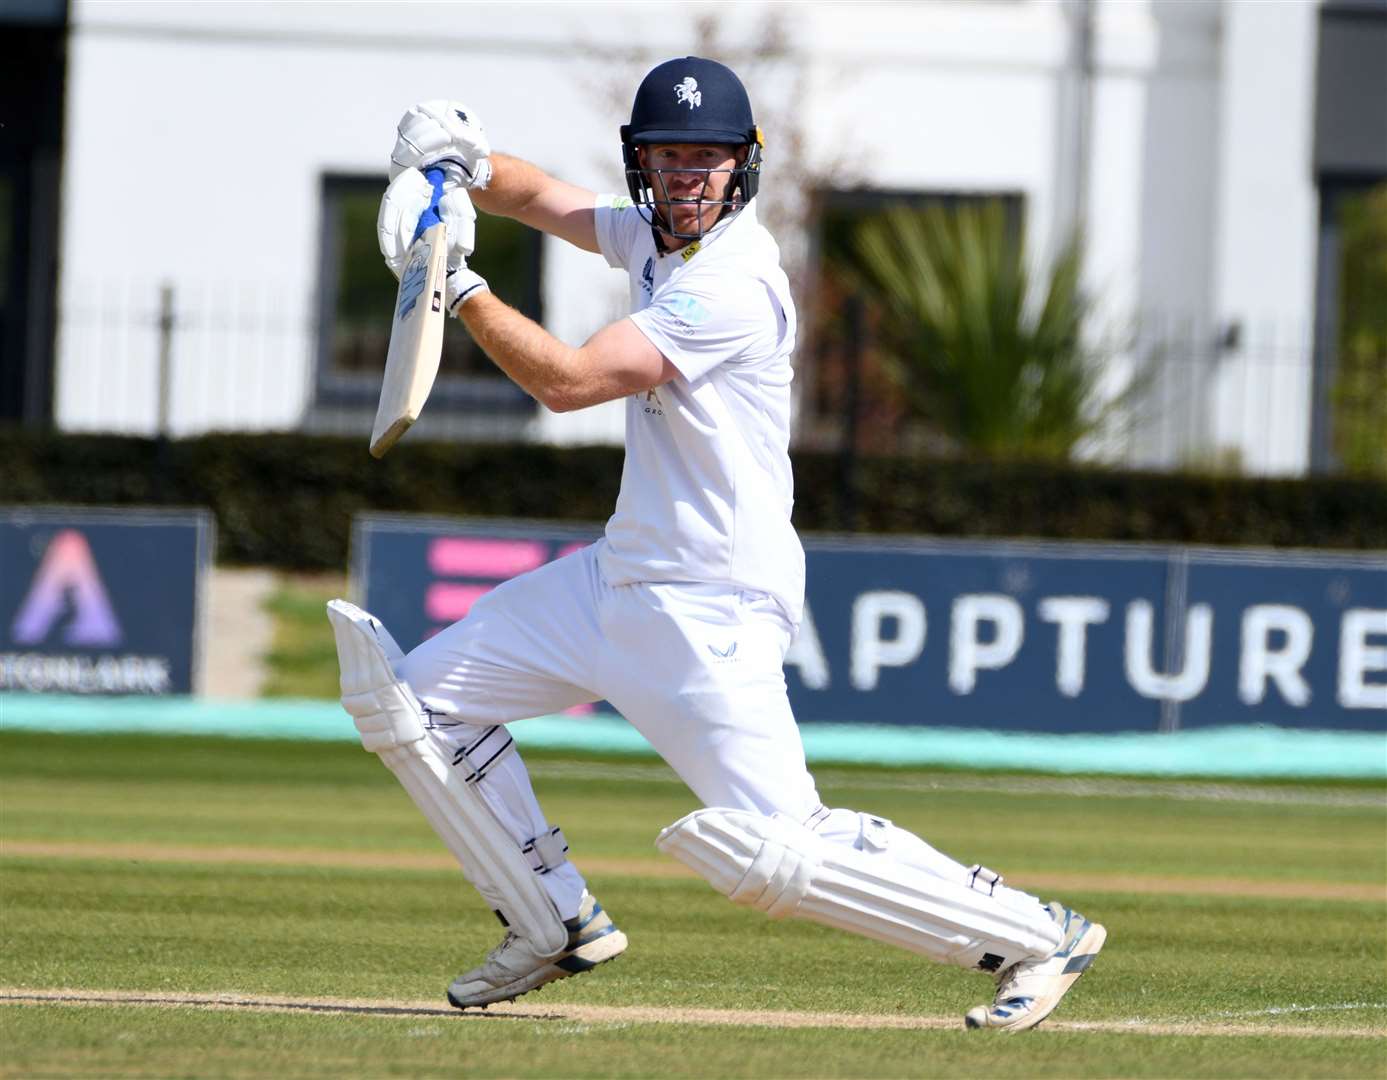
x=783 y=868
x=390 y=722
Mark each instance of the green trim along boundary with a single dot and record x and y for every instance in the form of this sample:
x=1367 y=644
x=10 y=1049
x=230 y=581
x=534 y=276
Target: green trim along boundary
x=1250 y=751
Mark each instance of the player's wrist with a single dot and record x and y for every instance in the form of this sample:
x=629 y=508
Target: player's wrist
x=481 y=175
x=462 y=285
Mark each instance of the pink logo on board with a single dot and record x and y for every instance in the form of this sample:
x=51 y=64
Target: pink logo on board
x=67 y=591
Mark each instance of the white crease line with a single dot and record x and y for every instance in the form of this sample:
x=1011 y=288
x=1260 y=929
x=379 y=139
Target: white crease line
x=616 y=1014
x=1283 y=1010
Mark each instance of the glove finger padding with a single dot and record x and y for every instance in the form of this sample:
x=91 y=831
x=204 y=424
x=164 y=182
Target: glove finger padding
x=404 y=201
x=443 y=133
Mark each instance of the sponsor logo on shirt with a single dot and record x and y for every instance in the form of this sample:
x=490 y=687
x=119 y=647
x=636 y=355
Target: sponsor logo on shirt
x=648 y=276
x=652 y=405
x=686 y=312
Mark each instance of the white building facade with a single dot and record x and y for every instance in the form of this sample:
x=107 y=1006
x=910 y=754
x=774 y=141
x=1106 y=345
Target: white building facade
x=199 y=136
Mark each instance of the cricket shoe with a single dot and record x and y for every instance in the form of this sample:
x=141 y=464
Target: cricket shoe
x=514 y=967
x=1028 y=992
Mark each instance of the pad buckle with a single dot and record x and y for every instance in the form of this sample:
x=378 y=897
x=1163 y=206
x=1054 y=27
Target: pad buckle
x=547 y=851
x=982 y=879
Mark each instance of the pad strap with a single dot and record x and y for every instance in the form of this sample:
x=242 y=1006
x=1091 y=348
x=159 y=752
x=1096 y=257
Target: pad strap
x=983 y=879
x=490 y=747
x=546 y=852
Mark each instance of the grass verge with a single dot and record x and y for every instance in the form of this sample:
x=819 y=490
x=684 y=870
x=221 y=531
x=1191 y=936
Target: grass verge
x=302 y=661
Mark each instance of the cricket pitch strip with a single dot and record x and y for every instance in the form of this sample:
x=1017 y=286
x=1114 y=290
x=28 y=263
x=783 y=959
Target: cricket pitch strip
x=649 y=1014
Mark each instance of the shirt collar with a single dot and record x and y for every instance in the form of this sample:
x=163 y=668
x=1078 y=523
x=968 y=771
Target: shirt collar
x=728 y=224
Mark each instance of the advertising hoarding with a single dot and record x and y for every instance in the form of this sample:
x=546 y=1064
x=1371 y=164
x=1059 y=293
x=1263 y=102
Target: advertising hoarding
x=102 y=601
x=1053 y=637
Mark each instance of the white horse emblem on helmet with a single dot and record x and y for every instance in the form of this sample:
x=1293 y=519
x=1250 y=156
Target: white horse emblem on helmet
x=688 y=91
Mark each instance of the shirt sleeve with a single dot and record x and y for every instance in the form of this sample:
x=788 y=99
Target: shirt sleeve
x=618 y=222
x=700 y=323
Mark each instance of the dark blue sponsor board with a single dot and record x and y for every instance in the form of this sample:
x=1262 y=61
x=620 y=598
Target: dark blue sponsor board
x=970 y=634
x=101 y=601
x=1007 y=636
x=1294 y=637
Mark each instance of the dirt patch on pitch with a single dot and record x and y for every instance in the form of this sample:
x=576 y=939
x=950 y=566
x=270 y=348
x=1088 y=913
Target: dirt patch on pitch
x=1150 y=884
x=643 y=1014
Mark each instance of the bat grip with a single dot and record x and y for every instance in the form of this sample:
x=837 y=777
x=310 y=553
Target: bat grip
x=430 y=216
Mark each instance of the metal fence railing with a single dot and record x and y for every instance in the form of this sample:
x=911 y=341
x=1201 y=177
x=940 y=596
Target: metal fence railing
x=149 y=358
x=1177 y=394
x=144 y=358
x=1236 y=399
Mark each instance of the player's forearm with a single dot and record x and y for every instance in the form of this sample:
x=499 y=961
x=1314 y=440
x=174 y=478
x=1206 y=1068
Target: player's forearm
x=535 y=360
x=514 y=184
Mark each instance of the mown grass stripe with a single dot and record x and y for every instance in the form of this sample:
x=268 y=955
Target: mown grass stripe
x=1079 y=787
x=641 y=1014
x=600 y=866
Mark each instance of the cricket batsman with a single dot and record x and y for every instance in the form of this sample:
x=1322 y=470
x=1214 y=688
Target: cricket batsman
x=681 y=614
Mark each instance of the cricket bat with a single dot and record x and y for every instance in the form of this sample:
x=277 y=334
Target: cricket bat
x=416 y=332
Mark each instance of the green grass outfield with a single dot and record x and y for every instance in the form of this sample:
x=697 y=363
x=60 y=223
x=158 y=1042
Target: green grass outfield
x=201 y=907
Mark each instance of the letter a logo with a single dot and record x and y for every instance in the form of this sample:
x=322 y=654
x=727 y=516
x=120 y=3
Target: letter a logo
x=67 y=587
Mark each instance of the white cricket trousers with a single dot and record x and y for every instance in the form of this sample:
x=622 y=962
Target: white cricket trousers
x=696 y=669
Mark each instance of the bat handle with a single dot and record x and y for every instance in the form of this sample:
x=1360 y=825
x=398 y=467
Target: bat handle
x=430 y=216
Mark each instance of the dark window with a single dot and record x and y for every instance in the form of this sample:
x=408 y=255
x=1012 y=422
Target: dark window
x=1350 y=381
x=1351 y=330
x=33 y=43
x=1351 y=89
x=358 y=295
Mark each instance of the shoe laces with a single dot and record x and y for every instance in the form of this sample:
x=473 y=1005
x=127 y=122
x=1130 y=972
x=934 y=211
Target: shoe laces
x=506 y=942
x=1006 y=980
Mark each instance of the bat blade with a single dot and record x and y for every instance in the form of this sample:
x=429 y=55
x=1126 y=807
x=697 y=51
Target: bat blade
x=416 y=340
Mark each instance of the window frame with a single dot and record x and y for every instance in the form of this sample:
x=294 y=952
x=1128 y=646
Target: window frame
x=457 y=394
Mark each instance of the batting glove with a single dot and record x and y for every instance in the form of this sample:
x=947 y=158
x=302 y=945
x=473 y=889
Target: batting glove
x=445 y=134
x=404 y=201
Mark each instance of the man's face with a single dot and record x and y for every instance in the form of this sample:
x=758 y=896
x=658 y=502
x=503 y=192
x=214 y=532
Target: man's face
x=688 y=173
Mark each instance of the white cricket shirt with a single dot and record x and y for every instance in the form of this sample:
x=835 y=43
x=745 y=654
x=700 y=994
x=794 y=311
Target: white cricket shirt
x=706 y=490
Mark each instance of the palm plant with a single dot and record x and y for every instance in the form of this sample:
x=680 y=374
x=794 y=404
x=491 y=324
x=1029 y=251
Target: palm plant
x=998 y=371
x=1359 y=394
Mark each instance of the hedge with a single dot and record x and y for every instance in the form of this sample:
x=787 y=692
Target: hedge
x=287 y=500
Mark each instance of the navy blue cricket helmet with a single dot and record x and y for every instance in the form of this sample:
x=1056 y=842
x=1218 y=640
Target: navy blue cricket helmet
x=692 y=100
